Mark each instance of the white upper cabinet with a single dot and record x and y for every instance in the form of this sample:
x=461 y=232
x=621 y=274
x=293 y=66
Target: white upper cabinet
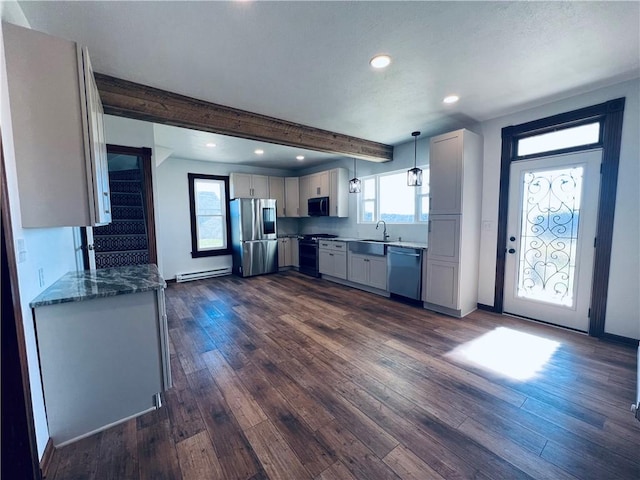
x=338 y=192
x=244 y=185
x=318 y=185
x=445 y=164
x=291 y=197
x=292 y=193
x=304 y=195
x=57 y=129
x=276 y=191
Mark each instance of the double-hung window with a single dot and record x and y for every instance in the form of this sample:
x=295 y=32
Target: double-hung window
x=209 y=203
x=387 y=197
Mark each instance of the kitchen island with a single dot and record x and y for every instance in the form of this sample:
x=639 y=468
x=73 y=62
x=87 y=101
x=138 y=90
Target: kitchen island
x=103 y=348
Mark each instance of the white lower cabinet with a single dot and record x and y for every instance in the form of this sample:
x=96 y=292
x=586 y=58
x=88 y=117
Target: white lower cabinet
x=287 y=252
x=442 y=284
x=332 y=259
x=369 y=270
x=295 y=252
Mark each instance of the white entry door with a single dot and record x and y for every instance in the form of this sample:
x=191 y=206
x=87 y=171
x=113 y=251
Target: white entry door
x=551 y=229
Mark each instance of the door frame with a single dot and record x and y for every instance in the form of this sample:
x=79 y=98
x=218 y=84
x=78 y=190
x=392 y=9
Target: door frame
x=144 y=154
x=18 y=426
x=610 y=115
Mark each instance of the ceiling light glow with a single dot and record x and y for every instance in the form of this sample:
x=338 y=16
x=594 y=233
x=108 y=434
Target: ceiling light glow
x=300 y=157
x=259 y=151
x=210 y=145
x=451 y=99
x=380 y=61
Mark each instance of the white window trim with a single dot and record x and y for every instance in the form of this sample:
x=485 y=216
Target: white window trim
x=376 y=209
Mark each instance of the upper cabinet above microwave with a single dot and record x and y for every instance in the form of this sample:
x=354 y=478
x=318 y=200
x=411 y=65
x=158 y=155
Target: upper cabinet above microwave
x=57 y=131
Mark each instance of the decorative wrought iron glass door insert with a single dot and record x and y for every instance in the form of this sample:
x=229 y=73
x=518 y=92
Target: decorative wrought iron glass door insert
x=551 y=230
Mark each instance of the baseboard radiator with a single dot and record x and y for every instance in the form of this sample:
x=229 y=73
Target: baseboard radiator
x=215 y=272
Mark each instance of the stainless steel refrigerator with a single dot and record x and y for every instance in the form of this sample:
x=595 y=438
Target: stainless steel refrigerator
x=254 y=236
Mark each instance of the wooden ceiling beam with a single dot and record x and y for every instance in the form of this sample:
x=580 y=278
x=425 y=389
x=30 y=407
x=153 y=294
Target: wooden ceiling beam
x=128 y=99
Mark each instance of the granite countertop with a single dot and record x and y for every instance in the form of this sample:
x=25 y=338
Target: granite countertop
x=289 y=235
x=107 y=282
x=388 y=242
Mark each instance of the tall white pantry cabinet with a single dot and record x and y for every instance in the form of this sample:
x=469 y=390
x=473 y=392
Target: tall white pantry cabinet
x=455 y=163
x=57 y=131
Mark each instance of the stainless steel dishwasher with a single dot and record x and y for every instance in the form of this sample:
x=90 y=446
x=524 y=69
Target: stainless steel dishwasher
x=404 y=271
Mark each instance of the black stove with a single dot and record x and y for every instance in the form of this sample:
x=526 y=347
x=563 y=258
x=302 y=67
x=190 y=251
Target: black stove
x=308 y=252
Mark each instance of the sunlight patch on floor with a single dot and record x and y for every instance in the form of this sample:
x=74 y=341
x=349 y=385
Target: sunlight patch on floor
x=517 y=355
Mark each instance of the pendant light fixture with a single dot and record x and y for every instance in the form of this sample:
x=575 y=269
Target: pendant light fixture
x=414 y=175
x=354 y=183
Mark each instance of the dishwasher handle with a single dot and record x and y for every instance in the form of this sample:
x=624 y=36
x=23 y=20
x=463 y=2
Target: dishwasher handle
x=400 y=252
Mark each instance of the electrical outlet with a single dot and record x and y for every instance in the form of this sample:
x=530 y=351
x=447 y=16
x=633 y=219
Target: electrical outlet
x=41 y=277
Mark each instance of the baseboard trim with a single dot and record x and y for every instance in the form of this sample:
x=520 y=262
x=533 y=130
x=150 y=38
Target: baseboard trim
x=47 y=456
x=610 y=337
x=487 y=308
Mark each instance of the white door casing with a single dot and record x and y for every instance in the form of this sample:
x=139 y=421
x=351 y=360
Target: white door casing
x=551 y=230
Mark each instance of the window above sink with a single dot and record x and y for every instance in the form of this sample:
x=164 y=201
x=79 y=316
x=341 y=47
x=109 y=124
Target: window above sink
x=387 y=197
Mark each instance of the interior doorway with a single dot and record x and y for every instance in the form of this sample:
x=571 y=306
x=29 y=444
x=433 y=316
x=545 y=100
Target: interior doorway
x=130 y=237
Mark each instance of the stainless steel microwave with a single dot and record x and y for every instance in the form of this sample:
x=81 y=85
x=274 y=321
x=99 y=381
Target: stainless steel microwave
x=318 y=207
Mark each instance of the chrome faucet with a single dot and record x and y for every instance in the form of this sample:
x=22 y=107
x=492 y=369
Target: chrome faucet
x=385 y=237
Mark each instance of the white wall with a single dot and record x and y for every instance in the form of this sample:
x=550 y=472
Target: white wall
x=49 y=249
x=174 y=232
x=623 y=303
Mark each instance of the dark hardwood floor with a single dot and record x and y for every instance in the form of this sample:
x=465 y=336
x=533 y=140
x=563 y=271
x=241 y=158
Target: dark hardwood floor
x=289 y=377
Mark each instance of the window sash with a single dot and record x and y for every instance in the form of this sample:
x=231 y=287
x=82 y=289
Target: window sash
x=369 y=202
x=210 y=228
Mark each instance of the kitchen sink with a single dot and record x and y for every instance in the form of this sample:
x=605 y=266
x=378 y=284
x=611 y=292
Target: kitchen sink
x=368 y=247
x=372 y=240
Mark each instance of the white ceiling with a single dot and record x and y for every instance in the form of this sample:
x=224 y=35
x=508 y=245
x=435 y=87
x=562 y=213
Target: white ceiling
x=192 y=144
x=307 y=62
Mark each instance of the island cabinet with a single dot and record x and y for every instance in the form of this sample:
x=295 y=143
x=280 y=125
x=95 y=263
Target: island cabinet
x=244 y=185
x=103 y=348
x=57 y=131
x=332 y=259
x=455 y=162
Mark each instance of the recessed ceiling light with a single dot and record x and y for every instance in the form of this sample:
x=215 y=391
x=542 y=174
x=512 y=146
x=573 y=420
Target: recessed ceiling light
x=210 y=145
x=451 y=99
x=259 y=151
x=380 y=61
x=300 y=157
